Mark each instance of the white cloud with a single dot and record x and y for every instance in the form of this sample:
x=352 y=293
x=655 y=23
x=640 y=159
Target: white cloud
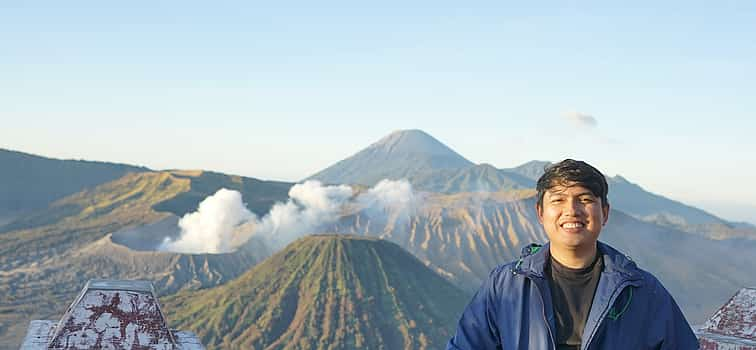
x=582 y=119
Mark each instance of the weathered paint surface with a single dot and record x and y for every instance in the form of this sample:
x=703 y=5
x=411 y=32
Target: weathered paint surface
x=117 y=319
x=110 y=315
x=737 y=318
x=38 y=335
x=723 y=344
x=733 y=326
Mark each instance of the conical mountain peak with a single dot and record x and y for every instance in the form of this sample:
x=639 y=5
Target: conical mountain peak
x=401 y=154
x=326 y=292
x=414 y=141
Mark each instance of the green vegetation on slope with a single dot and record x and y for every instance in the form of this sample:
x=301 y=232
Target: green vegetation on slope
x=134 y=199
x=87 y=216
x=30 y=257
x=325 y=292
x=46 y=256
x=259 y=196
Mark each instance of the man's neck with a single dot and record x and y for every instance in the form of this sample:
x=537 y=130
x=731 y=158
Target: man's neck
x=574 y=259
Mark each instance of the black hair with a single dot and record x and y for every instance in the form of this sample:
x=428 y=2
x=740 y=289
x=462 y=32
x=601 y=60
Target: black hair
x=570 y=172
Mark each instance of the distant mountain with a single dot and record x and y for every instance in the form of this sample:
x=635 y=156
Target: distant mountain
x=463 y=236
x=401 y=154
x=133 y=200
x=30 y=182
x=325 y=292
x=87 y=216
x=425 y=162
x=46 y=255
x=531 y=170
x=636 y=201
x=471 y=218
x=258 y=195
x=460 y=236
x=431 y=166
x=641 y=204
x=475 y=178
x=177 y=192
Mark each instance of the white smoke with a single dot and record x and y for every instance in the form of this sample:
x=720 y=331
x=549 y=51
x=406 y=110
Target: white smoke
x=387 y=197
x=222 y=223
x=210 y=229
x=310 y=206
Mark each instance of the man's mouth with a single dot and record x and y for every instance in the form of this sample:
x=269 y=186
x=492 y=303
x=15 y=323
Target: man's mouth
x=573 y=225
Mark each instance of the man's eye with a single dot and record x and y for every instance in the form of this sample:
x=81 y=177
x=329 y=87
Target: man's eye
x=587 y=200
x=557 y=200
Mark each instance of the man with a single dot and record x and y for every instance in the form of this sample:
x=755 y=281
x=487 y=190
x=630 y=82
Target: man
x=574 y=292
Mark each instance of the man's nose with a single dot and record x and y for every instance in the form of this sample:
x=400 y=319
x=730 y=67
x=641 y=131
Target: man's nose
x=573 y=207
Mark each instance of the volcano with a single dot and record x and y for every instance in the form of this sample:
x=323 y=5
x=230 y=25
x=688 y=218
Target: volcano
x=326 y=292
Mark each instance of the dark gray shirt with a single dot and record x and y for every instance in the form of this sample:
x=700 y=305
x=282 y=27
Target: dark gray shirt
x=572 y=293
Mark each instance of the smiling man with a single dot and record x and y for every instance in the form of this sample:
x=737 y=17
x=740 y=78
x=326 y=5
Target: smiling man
x=574 y=292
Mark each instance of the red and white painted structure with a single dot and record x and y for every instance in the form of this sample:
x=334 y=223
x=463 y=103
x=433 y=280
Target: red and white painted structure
x=733 y=326
x=110 y=314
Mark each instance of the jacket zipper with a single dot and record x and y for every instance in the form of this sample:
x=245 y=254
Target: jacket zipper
x=543 y=312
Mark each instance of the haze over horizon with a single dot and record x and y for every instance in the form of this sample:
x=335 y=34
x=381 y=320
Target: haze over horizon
x=657 y=93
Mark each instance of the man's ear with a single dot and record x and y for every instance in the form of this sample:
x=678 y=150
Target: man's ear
x=606 y=212
x=539 y=211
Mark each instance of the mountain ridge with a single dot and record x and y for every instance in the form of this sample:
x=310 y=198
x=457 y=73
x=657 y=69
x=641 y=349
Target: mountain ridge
x=49 y=254
x=424 y=161
x=325 y=292
x=463 y=236
x=31 y=182
x=460 y=235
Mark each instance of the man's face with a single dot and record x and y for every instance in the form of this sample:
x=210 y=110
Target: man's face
x=572 y=217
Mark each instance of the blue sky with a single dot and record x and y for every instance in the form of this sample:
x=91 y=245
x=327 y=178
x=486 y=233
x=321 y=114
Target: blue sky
x=280 y=91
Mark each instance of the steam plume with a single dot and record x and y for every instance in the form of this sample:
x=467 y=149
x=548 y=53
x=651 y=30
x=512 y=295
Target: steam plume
x=222 y=223
x=210 y=229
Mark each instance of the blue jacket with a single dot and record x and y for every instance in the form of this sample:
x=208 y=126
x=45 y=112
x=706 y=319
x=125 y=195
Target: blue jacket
x=630 y=310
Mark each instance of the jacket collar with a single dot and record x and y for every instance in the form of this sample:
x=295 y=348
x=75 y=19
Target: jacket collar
x=535 y=257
